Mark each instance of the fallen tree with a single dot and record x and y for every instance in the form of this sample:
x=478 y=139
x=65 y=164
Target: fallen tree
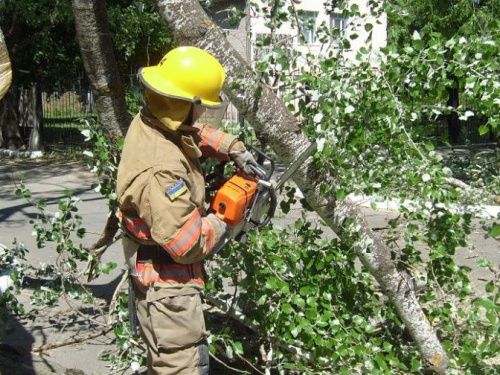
x=272 y=121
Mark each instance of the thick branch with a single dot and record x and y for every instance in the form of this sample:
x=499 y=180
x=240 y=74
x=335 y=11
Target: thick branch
x=462 y=185
x=71 y=341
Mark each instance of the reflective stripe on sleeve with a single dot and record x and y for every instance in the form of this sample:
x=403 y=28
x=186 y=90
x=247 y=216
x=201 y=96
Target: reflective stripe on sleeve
x=136 y=227
x=187 y=236
x=211 y=141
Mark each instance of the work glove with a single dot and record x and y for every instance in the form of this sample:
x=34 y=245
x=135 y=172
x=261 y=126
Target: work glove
x=220 y=227
x=242 y=157
x=221 y=235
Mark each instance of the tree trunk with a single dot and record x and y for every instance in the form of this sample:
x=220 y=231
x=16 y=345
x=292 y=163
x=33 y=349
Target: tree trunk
x=454 y=123
x=37 y=117
x=96 y=48
x=270 y=118
x=9 y=119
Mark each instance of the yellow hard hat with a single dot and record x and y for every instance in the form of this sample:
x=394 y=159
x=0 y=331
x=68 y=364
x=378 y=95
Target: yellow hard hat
x=187 y=73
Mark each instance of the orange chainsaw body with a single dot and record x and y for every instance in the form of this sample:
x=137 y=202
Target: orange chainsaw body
x=232 y=199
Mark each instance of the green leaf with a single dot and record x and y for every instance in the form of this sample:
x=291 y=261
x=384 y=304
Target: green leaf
x=494 y=231
x=304 y=291
x=340 y=194
x=490 y=286
x=287 y=308
x=487 y=304
x=483 y=129
x=238 y=347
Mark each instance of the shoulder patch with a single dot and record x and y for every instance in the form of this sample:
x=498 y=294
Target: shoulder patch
x=175 y=190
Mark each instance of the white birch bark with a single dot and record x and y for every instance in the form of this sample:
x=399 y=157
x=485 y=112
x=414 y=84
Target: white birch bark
x=271 y=120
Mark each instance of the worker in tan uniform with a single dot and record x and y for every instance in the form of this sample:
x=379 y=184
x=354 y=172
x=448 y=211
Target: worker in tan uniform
x=161 y=195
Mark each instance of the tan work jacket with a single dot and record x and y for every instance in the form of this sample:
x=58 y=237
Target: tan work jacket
x=161 y=194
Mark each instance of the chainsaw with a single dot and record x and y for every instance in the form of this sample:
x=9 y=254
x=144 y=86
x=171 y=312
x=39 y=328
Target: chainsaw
x=248 y=201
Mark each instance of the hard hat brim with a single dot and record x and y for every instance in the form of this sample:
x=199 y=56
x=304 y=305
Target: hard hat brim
x=152 y=78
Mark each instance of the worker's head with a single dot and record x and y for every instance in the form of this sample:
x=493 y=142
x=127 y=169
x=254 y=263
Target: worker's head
x=186 y=81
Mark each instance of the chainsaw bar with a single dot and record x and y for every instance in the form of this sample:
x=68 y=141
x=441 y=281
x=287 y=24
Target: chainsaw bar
x=265 y=201
x=295 y=165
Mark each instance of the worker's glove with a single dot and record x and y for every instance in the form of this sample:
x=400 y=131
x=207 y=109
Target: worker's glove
x=242 y=157
x=221 y=235
x=220 y=227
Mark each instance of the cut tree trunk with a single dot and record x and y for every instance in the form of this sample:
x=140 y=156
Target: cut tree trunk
x=271 y=120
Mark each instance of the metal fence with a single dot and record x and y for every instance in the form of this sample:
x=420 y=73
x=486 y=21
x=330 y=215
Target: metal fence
x=57 y=125
x=64 y=115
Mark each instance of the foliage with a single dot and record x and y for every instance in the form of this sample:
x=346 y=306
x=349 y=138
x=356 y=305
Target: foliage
x=309 y=299
x=140 y=36
x=371 y=117
x=41 y=39
x=63 y=280
x=450 y=18
x=103 y=160
x=463 y=38
x=315 y=309
x=12 y=273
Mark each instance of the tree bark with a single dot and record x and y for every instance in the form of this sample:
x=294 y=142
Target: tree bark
x=454 y=123
x=9 y=119
x=35 y=143
x=96 y=48
x=271 y=119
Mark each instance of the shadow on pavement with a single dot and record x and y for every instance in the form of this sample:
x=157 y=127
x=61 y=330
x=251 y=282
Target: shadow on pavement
x=15 y=349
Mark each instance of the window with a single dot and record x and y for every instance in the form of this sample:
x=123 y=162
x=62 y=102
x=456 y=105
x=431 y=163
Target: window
x=308 y=20
x=337 y=26
x=266 y=42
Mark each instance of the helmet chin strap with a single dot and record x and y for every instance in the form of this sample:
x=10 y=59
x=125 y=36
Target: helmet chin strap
x=189 y=119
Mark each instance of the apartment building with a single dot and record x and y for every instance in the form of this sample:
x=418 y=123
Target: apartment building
x=245 y=33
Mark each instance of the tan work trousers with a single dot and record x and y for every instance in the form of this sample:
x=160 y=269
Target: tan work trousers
x=172 y=325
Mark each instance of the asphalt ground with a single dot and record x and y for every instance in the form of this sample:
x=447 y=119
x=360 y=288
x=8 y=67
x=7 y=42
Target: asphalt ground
x=48 y=178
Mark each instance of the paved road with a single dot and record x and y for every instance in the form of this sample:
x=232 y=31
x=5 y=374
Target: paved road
x=48 y=179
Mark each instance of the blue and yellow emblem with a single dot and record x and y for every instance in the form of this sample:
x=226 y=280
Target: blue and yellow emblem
x=175 y=190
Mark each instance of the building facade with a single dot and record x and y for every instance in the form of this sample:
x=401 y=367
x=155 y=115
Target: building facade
x=246 y=34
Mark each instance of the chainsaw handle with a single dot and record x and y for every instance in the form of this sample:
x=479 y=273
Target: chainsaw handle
x=262 y=173
x=273 y=203
x=258 y=171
